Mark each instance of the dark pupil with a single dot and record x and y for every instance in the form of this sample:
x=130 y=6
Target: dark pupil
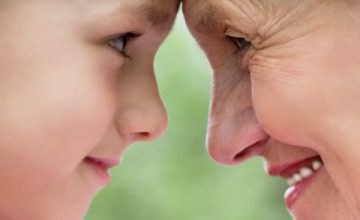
x=242 y=43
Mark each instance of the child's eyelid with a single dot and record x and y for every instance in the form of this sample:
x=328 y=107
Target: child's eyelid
x=126 y=35
x=125 y=40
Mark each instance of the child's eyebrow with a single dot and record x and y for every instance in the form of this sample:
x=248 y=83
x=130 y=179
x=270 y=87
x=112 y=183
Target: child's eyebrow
x=157 y=15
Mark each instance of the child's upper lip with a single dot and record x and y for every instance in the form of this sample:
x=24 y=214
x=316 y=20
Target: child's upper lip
x=105 y=162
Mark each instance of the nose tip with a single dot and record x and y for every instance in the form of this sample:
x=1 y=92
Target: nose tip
x=236 y=148
x=143 y=124
x=151 y=130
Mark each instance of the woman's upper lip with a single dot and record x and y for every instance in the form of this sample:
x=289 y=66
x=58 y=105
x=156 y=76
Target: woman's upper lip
x=106 y=163
x=287 y=169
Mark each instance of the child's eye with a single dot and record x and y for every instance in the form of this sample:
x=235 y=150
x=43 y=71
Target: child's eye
x=119 y=43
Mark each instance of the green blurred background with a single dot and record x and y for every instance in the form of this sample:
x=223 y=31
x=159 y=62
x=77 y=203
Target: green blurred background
x=173 y=178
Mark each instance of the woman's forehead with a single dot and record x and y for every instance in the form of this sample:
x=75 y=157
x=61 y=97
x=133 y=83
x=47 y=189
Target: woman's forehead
x=254 y=5
x=250 y=14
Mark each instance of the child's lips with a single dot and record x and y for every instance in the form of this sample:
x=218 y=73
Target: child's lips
x=106 y=163
x=101 y=167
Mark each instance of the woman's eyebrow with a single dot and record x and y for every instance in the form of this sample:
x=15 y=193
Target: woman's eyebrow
x=209 y=19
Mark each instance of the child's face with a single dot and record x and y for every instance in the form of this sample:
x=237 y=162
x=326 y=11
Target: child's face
x=67 y=94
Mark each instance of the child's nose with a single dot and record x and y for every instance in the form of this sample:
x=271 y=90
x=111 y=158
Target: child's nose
x=141 y=114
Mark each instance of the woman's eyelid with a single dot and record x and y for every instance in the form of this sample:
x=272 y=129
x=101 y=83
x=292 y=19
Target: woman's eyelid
x=240 y=39
x=241 y=42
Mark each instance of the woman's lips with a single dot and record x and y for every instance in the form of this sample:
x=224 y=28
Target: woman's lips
x=294 y=192
x=299 y=176
x=101 y=167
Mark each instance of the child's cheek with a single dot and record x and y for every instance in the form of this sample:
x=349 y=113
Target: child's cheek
x=58 y=120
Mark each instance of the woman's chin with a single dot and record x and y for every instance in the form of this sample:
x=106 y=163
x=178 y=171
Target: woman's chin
x=320 y=200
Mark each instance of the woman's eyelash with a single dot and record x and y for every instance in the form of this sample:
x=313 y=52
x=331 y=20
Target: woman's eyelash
x=241 y=43
x=120 y=42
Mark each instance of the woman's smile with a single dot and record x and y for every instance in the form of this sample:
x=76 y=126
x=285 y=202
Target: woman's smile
x=298 y=175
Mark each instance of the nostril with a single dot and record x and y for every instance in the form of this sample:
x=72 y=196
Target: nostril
x=240 y=155
x=144 y=135
x=255 y=149
x=235 y=145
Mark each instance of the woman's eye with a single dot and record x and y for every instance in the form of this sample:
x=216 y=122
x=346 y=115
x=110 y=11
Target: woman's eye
x=242 y=43
x=119 y=43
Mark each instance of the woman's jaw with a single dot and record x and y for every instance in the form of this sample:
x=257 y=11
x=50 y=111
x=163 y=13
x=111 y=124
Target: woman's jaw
x=298 y=174
x=316 y=189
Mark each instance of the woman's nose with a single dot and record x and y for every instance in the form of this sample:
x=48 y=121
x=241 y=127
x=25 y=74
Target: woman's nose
x=234 y=133
x=232 y=140
x=141 y=115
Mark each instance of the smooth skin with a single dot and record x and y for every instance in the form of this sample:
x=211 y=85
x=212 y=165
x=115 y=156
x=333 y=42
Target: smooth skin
x=286 y=87
x=67 y=94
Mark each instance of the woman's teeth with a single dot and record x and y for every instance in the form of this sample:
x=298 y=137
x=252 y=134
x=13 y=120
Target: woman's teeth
x=304 y=172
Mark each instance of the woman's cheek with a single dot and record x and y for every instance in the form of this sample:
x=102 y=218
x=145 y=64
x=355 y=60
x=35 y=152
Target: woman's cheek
x=280 y=102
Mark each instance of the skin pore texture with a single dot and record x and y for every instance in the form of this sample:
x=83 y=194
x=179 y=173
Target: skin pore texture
x=67 y=95
x=286 y=87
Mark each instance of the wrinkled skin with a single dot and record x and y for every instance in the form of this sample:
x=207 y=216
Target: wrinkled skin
x=292 y=94
x=65 y=94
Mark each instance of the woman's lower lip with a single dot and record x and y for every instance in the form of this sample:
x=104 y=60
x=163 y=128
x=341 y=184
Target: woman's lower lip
x=100 y=171
x=293 y=193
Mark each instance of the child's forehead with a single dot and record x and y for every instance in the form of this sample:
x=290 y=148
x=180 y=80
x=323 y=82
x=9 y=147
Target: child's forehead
x=169 y=5
x=157 y=12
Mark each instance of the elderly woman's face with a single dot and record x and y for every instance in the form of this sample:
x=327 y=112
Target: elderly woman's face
x=286 y=87
x=72 y=100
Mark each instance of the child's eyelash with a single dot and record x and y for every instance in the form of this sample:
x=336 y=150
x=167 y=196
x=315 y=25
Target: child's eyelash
x=120 y=42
